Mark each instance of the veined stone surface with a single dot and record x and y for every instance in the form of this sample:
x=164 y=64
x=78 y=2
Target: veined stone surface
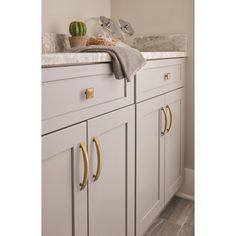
x=53 y=43
x=60 y=59
x=55 y=46
x=175 y=42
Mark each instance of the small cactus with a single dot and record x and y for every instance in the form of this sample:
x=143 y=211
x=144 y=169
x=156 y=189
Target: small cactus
x=77 y=28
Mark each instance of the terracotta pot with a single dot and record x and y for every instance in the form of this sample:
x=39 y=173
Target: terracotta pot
x=77 y=41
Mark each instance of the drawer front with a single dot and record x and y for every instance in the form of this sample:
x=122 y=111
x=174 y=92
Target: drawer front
x=64 y=96
x=69 y=100
x=159 y=77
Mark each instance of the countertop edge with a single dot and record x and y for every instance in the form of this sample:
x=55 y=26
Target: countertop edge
x=72 y=59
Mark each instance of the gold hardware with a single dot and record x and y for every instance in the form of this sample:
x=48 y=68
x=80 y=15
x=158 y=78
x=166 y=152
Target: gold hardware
x=167 y=76
x=86 y=166
x=170 y=125
x=89 y=92
x=100 y=158
x=166 y=121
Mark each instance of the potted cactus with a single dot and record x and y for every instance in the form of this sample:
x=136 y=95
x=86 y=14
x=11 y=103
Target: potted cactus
x=78 y=31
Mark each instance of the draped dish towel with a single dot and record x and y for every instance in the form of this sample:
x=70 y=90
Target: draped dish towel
x=125 y=61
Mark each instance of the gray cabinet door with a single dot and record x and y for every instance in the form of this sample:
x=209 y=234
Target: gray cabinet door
x=149 y=163
x=60 y=152
x=111 y=196
x=174 y=162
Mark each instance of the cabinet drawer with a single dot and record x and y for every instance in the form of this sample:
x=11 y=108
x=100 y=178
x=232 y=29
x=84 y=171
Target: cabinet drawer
x=158 y=77
x=66 y=91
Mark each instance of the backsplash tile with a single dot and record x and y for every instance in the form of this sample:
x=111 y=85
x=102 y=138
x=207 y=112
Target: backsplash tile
x=54 y=43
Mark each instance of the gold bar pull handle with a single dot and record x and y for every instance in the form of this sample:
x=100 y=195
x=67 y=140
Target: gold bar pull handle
x=171 y=118
x=100 y=158
x=166 y=121
x=86 y=166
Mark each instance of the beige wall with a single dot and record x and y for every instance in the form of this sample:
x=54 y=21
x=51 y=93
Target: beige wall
x=57 y=14
x=166 y=17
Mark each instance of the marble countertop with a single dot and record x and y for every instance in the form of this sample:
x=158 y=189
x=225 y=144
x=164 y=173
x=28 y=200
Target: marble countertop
x=61 y=59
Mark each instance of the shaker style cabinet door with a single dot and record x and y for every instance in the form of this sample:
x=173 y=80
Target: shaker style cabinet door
x=63 y=157
x=174 y=162
x=149 y=162
x=111 y=185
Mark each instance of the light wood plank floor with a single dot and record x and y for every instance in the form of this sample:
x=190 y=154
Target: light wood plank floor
x=176 y=220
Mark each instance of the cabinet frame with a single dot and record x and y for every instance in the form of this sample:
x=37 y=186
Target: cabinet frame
x=155 y=149
x=173 y=97
x=53 y=145
x=134 y=99
x=82 y=73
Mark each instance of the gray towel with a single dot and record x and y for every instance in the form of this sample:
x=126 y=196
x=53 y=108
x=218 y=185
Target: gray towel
x=125 y=61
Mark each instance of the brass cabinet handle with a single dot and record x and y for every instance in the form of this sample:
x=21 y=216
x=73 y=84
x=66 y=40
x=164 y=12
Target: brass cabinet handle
x=86 y=166
x=100 y=158
x=166 y=121
x=89 y=93
x=170 y=112
x=167 y=76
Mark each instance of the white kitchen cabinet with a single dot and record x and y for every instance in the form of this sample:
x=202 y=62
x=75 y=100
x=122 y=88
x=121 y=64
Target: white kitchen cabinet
x=174 y=142
x=74 y=94
x=111 y=196
x=159 y=77
x=111 y=140
x=62 y=158
x=159 y=155
x=109 y=167
x=149 y=163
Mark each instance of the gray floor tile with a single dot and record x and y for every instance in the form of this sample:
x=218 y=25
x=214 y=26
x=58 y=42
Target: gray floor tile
x=186 y=230
x=190 y=219
x=176 y=220
x=153 y=225
x=178 y=211
x=164 y=228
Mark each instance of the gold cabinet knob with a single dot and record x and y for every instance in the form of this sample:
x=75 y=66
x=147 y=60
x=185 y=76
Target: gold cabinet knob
x=167 y=76
x=89 y=92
